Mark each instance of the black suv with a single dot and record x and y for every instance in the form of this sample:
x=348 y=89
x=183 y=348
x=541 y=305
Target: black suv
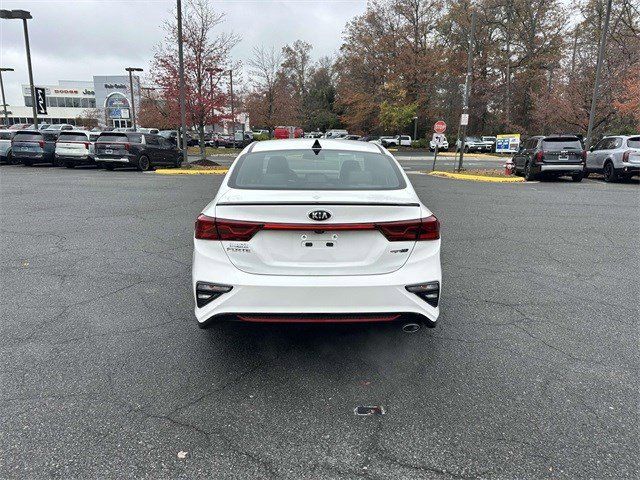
x=142 y=151
x=551 y=156
x=32 y=146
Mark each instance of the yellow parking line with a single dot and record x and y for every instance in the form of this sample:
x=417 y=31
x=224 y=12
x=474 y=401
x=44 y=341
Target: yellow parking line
x=476 y=178
x=192 y=171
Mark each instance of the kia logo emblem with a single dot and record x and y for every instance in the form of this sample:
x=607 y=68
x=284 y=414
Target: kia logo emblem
x=319 y=215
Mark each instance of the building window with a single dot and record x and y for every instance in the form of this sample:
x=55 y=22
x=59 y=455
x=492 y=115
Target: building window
x=28 y=102
x=85 y=102
x=76 y=102
x=92 y=103
x=68 y=102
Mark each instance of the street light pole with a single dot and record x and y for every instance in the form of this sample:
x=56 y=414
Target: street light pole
x=594 y=99
x=4 y=102
x=467 y=87
x=133 y=102
x=24 y=16
x=183 y=113
x=233 y=115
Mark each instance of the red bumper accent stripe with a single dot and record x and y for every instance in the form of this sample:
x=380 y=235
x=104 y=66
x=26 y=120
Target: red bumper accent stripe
x=328 y=319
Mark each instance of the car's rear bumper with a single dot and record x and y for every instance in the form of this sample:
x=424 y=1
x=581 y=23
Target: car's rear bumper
x=558 y=168
x=361 y=297
x=114 y=159
x=629 y=167
x=79 y=159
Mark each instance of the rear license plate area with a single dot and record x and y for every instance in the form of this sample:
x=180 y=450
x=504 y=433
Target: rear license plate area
x=315 y=240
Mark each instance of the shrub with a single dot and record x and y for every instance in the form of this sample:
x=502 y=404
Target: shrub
x=261 y=137
x=420 y=143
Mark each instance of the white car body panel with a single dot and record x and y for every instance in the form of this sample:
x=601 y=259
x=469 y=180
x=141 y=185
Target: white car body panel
x=277 y=272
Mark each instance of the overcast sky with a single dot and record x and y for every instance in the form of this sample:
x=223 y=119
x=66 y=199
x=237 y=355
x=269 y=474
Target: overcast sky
x=76 y=39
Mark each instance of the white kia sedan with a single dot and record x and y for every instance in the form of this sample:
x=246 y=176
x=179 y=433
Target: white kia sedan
x=316 y=231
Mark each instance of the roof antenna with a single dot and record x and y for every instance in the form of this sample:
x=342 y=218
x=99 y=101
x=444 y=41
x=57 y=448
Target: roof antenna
x=316 y=147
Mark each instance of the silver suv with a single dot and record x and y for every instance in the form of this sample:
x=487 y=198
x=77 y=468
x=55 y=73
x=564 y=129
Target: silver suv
x=615 y=157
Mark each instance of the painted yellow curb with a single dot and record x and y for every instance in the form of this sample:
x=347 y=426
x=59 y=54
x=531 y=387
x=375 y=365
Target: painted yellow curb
x=193 y=171
x=476 y=178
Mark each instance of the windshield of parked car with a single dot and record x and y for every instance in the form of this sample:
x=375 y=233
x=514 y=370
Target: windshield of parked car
x=557 y=144
x=633 y=142
x=304 y=170
x=72 y=137
x=28 y=137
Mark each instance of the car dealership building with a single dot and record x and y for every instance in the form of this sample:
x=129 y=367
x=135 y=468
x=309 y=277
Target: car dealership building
x=106 y=98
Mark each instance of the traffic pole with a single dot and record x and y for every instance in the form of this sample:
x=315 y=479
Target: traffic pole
x=183 y=113
x=467 y=89
x=435 y=155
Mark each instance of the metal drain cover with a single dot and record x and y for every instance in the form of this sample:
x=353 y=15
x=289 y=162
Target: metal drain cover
x=364 y=410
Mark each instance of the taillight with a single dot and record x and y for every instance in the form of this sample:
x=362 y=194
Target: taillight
x=127 y=146
x=420 y=229
x=86 y=145
x=584 y=156
x=625 y=156
x=539 y=157
x=209 y=228
x=41 y=143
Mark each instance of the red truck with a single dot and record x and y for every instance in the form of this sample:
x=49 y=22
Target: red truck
x=288 y=132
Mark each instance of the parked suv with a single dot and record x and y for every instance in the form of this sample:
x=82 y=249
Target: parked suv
x=5 y=148
x=551 y=156
x=616 y=157
x=142 y=151
x=32 y=146
x=474 y=144
x=76 y=147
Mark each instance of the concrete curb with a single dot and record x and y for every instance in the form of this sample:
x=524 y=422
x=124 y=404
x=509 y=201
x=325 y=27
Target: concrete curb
x=194 y=171
x=476 y=178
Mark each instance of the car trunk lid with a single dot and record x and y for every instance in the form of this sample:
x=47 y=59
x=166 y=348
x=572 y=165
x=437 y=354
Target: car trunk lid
x=291 y=242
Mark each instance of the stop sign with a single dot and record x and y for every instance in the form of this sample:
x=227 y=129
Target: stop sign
x=439 y=127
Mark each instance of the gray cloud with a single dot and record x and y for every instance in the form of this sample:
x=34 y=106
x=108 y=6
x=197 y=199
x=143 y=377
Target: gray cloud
x=76 y=39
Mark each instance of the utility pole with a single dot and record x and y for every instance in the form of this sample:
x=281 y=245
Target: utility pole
x=183 y=113
x=4 y=102
x=508 y=73
x=133 y=102
x=233 y=115
x=415 y=128
x=467 y=88
x=594 y=99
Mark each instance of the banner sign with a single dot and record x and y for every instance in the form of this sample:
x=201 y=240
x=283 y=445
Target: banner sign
x=508 y=143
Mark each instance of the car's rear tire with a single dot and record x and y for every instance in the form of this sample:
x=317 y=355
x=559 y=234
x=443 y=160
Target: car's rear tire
x=108 y=166
x=143 y=164
x=528 y=174
x=11 y=160
x=609 y=172
x=577 y=177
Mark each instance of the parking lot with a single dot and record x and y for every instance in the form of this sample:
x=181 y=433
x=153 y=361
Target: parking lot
x=532 y=371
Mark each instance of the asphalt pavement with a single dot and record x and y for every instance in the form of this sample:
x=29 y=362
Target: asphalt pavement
x=532 y=371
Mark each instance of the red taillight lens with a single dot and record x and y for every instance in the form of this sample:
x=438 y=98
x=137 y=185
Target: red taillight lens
x=86 y=145
x=420 y=229
x=127 y=146
x=539 y=157
x=584 y=156
x=208 y=228
x=625 y=156
x=41 y=143
x=237 y=230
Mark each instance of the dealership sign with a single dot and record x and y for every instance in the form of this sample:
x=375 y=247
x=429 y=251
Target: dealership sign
x=41 y=101
x=508 y=143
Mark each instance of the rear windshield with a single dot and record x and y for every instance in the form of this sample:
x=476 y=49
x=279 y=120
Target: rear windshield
x=119 y=137
x=329 y=170
x=5 y=135
x=72 y=137
x=633 y=142
x=557 y=144
x=28 y=137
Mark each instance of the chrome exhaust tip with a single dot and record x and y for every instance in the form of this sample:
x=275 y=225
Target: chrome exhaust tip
x=410 y=327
